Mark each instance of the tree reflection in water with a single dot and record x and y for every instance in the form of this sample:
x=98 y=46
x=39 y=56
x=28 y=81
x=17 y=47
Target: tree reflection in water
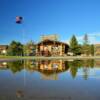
x=50 y=68
x=16 y=66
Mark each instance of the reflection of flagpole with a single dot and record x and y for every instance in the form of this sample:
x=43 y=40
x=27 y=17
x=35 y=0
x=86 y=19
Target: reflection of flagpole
x=23 y=36
x=24 y=53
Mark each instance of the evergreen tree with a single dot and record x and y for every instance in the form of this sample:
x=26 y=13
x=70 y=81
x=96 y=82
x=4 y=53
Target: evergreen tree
x=86 y=48
x=74 y=46
x=86 y=41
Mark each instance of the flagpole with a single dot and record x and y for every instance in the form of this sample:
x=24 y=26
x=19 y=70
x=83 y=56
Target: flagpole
x=19 y=20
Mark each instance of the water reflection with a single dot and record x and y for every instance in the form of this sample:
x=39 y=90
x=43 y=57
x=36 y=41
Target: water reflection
x=85 y=65
x=77 y=80
x=19 y=94
x=50 y=69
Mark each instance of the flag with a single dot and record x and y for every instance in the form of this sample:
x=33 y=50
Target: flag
x=19 y=19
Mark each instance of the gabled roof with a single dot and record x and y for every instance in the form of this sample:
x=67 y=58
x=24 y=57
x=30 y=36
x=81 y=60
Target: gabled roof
x=51 y=41
x=3 y=46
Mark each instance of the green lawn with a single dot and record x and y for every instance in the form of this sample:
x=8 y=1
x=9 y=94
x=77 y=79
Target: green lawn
x=56 y=57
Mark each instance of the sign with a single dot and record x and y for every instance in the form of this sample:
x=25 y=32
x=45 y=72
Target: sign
x=53 y=37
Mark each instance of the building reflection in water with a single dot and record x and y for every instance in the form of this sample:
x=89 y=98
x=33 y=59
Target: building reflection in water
x=50 y=69
x=3 y=65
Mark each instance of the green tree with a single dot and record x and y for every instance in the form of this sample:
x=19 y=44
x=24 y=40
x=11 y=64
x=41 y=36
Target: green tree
x=85 y=39
x=92 y=49
x=15 y=49
x=79 y=49
x=30 y=48
x=86 y=48
x=74 y=46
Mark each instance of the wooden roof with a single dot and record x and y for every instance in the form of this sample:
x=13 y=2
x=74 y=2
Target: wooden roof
x=52 y=42
x=3 y=46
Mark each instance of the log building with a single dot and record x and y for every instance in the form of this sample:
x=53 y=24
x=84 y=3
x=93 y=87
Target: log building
x=3 y=49
x=49 y=47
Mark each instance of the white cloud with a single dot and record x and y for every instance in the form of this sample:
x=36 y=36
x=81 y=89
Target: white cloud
x=94 y=38
x=95 y=34
x=66 y=41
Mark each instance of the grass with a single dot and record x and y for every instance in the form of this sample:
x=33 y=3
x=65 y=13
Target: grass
x=52 y=57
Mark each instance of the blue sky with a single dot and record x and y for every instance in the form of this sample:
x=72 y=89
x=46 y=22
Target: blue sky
x=62 y=17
